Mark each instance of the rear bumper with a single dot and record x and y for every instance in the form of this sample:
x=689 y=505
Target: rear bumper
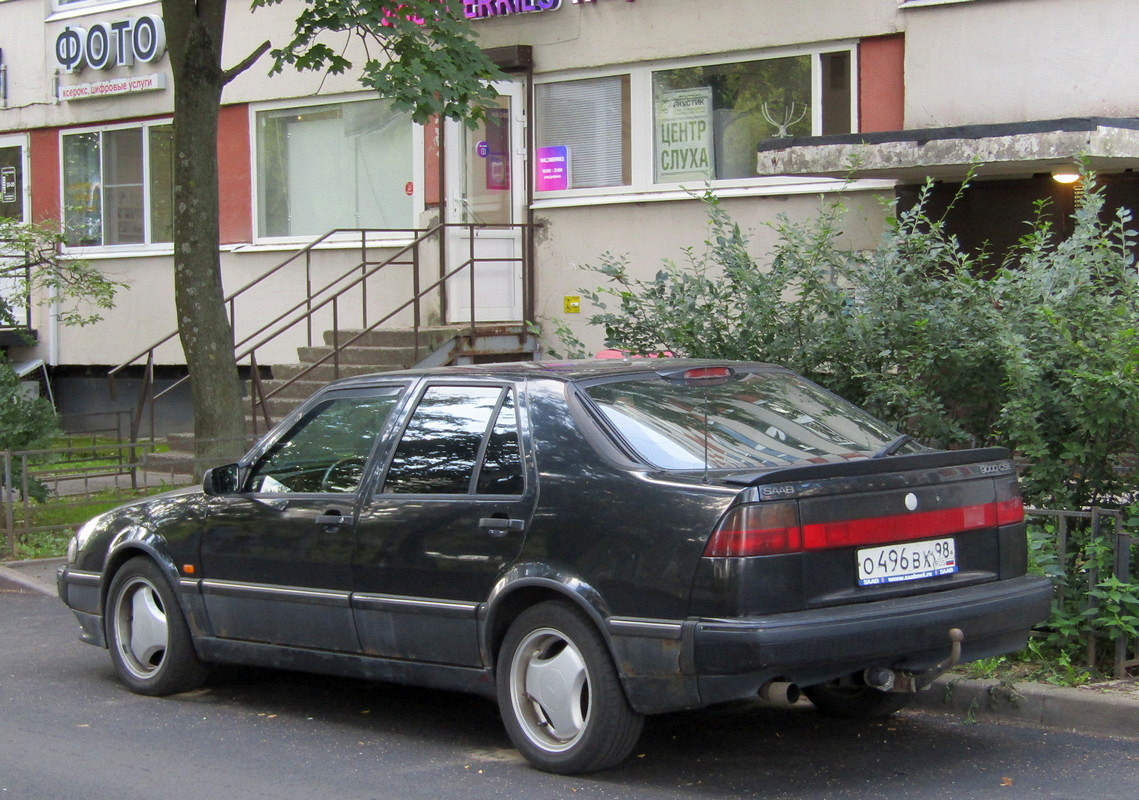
x=733 y=658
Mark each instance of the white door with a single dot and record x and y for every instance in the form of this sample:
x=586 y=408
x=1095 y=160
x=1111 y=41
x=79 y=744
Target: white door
x=486 y=197
x=13 y=205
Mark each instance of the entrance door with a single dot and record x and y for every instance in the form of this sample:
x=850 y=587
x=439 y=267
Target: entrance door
x=486 y=189
x=13 y=206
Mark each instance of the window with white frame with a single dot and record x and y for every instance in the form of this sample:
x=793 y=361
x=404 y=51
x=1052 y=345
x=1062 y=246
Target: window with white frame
x=70 y=7
x=341 y=165
x=696 y=121
x=118 y=186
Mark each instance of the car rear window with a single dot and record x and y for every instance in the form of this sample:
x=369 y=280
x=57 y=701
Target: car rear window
x=752 y=420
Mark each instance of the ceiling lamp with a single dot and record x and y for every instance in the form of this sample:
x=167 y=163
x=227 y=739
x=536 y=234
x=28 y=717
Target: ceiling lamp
x=1065 y=175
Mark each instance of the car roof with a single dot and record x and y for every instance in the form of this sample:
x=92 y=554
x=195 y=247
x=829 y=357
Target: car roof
x=567 y=371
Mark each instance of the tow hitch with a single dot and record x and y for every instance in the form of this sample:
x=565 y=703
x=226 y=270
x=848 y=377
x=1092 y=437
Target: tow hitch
x=888 y=680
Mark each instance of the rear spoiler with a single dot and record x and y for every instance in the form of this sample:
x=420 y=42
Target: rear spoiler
x=935 y=459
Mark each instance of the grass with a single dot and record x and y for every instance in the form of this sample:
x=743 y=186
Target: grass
x=49 y=526
x=1036 y=663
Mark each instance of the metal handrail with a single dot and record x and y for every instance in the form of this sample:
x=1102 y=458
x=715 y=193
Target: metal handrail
x=329 y=294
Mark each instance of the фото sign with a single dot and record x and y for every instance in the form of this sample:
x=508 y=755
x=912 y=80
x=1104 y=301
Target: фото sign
x=684 y=145
x=111 y=44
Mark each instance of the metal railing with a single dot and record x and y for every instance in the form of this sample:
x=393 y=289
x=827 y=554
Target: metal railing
x=325 y=298
x=1079 y=573
x=80 y=480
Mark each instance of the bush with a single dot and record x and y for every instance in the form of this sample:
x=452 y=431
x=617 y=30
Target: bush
x=26 y=423
x=1040 y=354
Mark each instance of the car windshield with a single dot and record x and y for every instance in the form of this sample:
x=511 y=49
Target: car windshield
x=752 y=420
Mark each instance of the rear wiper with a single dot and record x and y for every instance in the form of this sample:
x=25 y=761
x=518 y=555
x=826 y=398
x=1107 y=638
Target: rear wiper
x=894 y=446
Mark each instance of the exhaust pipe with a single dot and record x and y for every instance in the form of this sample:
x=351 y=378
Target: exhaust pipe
x=881 y=678
x=780 y=693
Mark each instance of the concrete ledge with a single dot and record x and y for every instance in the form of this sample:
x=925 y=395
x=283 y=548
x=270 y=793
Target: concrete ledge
x=1102 y=709
x=37 y=575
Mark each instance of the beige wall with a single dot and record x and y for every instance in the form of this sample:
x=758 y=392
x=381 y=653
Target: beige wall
x=648 y=233
x=1013 y=60
x=614 y=32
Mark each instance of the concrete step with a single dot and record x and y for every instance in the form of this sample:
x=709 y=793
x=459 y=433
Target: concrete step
x=297 y=390
x=429 y=337
x=323 y=373
x=387 y=357
x=174 y=462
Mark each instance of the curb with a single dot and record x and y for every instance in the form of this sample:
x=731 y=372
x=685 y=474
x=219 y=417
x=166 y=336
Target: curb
x=37 y=575
x=1097 y=710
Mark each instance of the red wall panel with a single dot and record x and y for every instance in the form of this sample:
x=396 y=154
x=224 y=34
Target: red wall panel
x=235 y=176
x=881 y=83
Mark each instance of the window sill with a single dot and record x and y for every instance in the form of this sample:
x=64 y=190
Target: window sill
x=290 y=244
x=65 y=12
x=750 y=189
x=904 y=4
x=104 y=253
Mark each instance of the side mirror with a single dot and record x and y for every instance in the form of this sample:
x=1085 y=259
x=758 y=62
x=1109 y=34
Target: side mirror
x=222 y=480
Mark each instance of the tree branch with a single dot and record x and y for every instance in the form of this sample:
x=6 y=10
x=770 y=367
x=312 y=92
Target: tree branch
x=233 y=72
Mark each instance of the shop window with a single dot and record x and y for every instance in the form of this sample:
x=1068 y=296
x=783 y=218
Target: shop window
x=344 y=165
x=118 y=186
x=583 y=134
x=709 y=120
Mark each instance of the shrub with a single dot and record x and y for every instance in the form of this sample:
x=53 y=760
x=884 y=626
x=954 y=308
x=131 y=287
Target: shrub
x=1040 y=354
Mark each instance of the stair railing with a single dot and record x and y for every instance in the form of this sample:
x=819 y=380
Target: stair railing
x=329 y=295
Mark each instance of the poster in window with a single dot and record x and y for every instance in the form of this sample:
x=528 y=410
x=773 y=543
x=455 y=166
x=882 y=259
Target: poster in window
x=684 y=142
x=498 y=149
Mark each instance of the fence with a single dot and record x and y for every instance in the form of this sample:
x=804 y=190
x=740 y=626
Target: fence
x=1089 y=556
x=83 y=480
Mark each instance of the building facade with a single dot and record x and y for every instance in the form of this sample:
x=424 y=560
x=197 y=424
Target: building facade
x=616 y=116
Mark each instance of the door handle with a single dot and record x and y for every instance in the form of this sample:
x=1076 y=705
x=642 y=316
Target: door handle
x=331 y=519
x=500 y=526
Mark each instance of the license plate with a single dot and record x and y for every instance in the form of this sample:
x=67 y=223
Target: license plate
x=906 y=562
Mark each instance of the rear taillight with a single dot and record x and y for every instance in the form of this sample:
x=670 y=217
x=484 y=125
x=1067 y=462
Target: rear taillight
x=1010 y=508
x=757 y=530
x=764 y=529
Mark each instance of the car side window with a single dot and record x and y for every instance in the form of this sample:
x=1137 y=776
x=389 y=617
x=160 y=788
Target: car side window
x=327 y=450
x=501 y=468
x=453 y=430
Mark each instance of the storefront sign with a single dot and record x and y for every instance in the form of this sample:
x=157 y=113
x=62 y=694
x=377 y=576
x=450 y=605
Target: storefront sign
x=481 y=9
x=478 y=9
x=553 y=169
x=684 y=145
x=131 y=85
x=111 y=44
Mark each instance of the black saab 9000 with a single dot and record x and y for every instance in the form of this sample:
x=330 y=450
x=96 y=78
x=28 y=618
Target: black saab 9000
x=586 y=542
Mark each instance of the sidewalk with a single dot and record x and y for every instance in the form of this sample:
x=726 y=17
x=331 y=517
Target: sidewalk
x=1104 y=709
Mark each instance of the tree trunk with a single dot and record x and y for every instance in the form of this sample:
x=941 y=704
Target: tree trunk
x=194 y=36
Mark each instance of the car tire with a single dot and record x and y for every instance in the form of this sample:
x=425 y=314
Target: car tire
x=855 y=702
x=147 y=635
x=559 y=694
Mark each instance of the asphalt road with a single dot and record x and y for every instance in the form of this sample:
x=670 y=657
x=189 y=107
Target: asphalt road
x=69 y=730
